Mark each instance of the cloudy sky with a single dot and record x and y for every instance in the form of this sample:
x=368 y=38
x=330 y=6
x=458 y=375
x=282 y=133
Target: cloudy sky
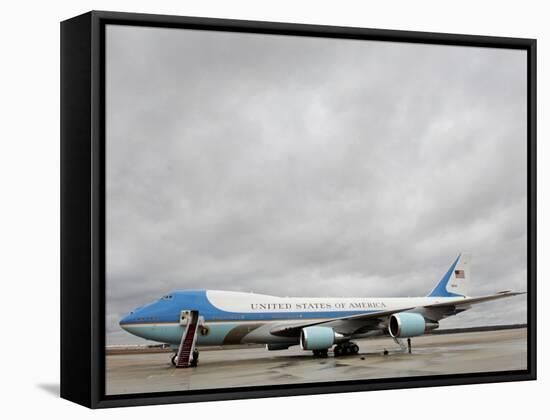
x=300 y=166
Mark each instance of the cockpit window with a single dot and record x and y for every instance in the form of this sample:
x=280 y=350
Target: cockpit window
x=166 y=297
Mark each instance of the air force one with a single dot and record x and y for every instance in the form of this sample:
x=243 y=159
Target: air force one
x=187 y=318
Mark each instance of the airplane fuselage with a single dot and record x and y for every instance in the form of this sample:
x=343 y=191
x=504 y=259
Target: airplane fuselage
x=237 y=318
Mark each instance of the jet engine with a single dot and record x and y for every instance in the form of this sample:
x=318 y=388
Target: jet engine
x=409 y=325
x=319 y=338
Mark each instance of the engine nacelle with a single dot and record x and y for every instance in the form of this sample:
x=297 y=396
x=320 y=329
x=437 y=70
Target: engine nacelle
x=319 y=338
x=408 y=325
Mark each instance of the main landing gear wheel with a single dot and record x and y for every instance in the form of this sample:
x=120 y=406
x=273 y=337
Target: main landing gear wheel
x=320 y=353
x=174 y=357
x=346 y=349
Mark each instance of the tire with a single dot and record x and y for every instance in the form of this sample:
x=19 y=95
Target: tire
x=355 y=348
x=174 y=359
x=337 y=351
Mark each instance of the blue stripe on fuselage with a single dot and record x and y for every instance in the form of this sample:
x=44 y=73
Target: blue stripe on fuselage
x=171 y=333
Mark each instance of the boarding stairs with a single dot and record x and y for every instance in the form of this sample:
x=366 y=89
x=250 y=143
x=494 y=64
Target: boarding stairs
x=189 y=319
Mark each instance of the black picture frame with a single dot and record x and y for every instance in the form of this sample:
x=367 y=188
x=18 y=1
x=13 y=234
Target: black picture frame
x=83 y=207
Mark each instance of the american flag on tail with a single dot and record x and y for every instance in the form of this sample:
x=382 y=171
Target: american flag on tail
x=459 y=274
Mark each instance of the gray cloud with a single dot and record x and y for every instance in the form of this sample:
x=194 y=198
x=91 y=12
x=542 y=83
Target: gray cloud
x=305 y=166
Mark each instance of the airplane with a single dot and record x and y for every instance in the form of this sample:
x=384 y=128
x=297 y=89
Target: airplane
x=315 y=323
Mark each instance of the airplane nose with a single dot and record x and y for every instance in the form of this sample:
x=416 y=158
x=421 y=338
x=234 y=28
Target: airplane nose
x=124 y=322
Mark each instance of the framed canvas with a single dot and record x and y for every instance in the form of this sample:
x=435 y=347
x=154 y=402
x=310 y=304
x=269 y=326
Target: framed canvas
x=257 y=209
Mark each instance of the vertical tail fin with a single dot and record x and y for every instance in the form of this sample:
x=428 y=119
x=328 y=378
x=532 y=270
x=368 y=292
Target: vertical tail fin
x=456 y=280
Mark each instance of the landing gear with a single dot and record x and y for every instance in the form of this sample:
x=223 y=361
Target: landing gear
x=320 y=353
x=174 y=357
x=346 y=349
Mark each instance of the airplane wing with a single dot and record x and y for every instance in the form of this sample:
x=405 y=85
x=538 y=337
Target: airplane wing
x=371 y=320
x=293 y=330
x=470 y=301
x=438 y=311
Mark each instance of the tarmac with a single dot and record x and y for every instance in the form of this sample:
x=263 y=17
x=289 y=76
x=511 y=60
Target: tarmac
x=487 y=351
